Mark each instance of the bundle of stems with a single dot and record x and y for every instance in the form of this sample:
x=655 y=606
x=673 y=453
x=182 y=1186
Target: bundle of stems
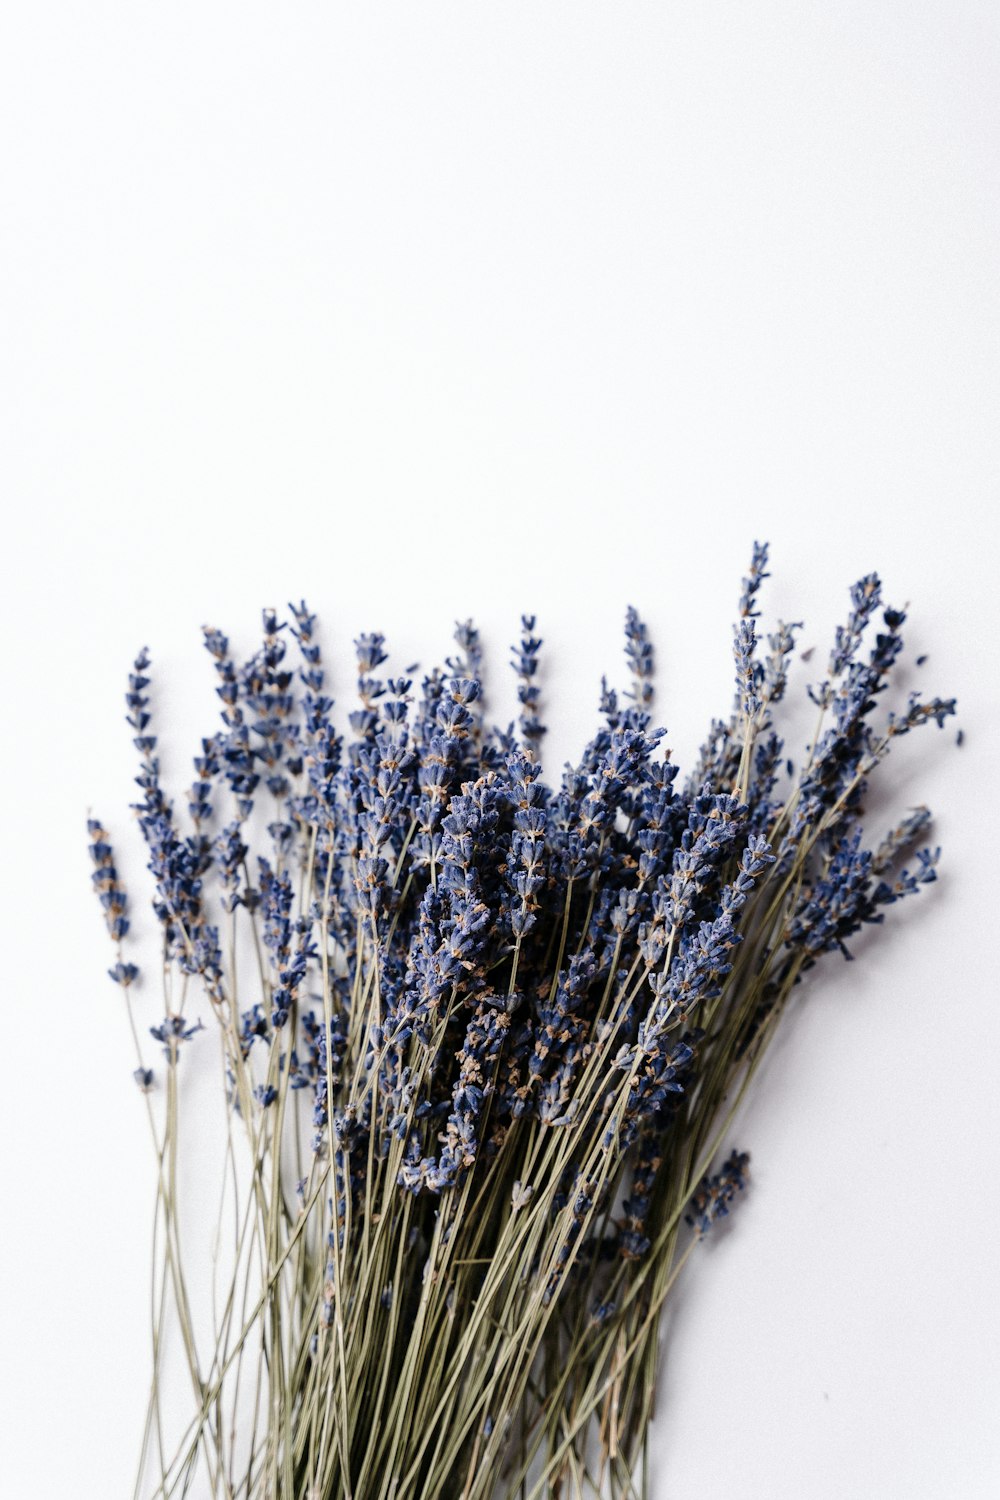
x=481 y=1043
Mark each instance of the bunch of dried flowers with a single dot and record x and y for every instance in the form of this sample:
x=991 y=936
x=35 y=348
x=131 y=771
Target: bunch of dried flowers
x=481 y=1039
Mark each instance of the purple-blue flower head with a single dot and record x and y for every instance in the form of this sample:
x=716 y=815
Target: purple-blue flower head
x=525 y=663
x=755 y=577
x=639 y=654
x=110 y=893
x=714 y=1197
x=171 y=1032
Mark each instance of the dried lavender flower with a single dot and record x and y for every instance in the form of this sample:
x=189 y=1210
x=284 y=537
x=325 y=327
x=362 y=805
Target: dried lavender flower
x=481 y=1033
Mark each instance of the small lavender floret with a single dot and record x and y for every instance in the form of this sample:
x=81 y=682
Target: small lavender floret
x=934 y=710
x=748 y=672
x=755 y=577
x=866 y=596
x=172 y=1031
x=639 y=654
x=900 y=839
x=525 y=664
x=105 y=881
x=714 y=1197
x=908 y=882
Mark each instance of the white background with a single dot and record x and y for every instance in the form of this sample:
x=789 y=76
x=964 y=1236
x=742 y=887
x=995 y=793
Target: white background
x=423 y=311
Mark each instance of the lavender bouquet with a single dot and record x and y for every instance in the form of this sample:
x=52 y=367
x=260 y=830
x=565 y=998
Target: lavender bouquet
x=481 y=1042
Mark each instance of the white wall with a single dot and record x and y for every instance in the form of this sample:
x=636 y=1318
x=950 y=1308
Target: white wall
x=429 y=310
